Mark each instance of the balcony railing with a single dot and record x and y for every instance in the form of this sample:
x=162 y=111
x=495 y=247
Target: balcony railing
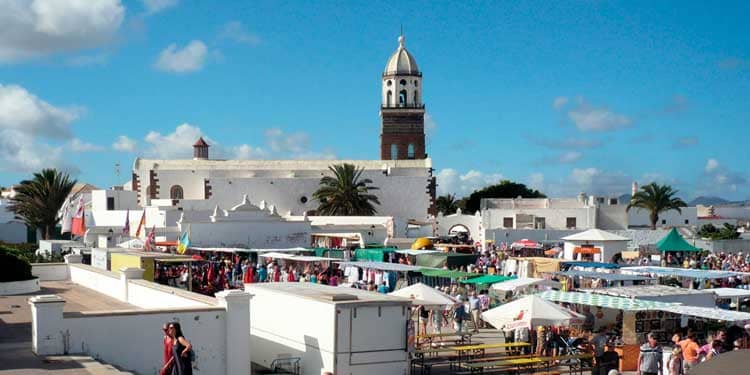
x=396 y=106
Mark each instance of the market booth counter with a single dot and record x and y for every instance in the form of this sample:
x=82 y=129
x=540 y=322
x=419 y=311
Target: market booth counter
x=148 y=262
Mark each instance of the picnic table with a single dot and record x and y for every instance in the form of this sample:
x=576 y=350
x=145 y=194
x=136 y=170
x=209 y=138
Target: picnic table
x=519 y=364
x=464 y=352
x=462 y=337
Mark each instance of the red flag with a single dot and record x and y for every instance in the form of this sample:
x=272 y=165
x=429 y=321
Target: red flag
x=79 y=220
x=141 y=224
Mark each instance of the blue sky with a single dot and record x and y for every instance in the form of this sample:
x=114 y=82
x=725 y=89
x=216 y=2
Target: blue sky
x=565 y=96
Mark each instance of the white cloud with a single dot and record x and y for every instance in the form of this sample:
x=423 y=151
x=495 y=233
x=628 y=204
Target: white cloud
x=124 y=144
x=30 y=29
x=712 y=165
x=155 y=6
x=430 y=126
x=77 y=145
x=559 y=102
x=27 y=123
x=569 y=157
x=22 y=111
x=236 y=31
x=246 y=151
x=536 y=181
x=450 y=181
x=191 y=58
x=175 y=145
x=287 y=143
x=589 y=118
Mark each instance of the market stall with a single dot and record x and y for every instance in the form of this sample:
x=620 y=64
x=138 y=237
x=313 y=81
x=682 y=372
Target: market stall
x=359 y=274
x=525 y=284
x=736 y=296
x=154 y=265
x=530 y=266
x=450 y=260
x=485 y=280
x=529 y=312
x=425 y=295
x=593 y=245
x=575 y=279
x=661 y=293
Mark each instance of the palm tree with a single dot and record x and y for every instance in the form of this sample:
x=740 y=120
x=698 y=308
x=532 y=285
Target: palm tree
x=37 y=201
x=447 y=204
x=345 y=193
x=656 y=199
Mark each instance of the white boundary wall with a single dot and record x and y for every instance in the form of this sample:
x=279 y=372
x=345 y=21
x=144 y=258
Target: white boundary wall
x=219 y=328
x=50 y=271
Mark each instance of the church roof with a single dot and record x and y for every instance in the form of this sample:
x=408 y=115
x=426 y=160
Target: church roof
x=200 y=143
x=401 y=62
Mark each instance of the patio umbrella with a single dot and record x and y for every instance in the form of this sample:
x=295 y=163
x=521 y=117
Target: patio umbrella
x=529 y=311
x=525 y=244
x=425 y=295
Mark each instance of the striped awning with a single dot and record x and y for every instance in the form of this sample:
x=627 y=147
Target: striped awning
x=629 y=304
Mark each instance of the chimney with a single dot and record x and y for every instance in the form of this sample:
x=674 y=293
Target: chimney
x=200 y=150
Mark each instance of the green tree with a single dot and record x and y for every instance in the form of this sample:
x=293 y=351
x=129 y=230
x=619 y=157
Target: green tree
x=37 y=201
x=346 y=193
x=727 y=232
x=656 y=199
x=447 y=204
x=505 y=189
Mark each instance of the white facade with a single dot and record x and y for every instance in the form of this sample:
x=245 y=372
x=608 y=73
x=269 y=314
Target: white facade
x=354 y=331
x=608 y=243
x=288 y=184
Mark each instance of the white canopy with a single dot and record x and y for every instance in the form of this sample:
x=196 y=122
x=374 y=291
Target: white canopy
x=135 y=243
x=730 y=292
x=595 y=235
x=709 y=313
x=425 y=295
x=514 y=284
x=529 y=311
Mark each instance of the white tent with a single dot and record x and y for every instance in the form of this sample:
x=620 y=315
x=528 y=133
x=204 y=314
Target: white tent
x=608 y=244
x=529 y=311
x=425 y=295
x=515 y=284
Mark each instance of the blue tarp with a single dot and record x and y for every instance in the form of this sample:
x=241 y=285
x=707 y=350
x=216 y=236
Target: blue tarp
x=591 y=264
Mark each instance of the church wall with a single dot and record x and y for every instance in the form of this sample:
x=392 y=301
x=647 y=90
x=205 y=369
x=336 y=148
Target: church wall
x=254 y=234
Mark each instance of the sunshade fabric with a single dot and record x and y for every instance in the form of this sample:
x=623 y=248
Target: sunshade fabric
x=436 y=260
x=525 y=244
x=673 y=241
x=372 y=255
x=487 y=279
x=708 y=313
x=595 y=235
x=629 y=304
x=630 y=254
x=682 y=272
x=514 y=284
x=730 y=292
x=603 y=276
x=426 y=295
x=587 y=250
x=446 y=273
x=382 y=266
x=591 y=264
x=528 y=311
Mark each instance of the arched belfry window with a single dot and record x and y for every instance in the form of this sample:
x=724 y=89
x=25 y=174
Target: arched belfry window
x=389 y=98
x=394 y=151
x=410 y=151
x=402 y=98
x=175 y=192
x=415 y=101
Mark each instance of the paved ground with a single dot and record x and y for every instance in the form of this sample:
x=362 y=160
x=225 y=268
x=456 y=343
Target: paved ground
x=15 y=332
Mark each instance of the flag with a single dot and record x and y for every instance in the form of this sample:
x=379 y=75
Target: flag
x=67 y=217
x=79 y=220
x=126 y=228
x=184 y=243
x=150 y=240
x=141 y=224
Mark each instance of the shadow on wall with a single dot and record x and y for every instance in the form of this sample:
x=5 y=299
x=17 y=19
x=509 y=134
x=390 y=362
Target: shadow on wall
x=313 y=358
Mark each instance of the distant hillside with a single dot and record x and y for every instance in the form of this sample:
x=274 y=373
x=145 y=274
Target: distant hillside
x=624 y=199
x=708 y=201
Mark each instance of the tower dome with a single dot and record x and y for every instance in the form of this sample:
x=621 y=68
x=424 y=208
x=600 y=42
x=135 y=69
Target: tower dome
x=401 y=62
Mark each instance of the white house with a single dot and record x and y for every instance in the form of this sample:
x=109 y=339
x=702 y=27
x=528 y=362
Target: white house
x=595 y=244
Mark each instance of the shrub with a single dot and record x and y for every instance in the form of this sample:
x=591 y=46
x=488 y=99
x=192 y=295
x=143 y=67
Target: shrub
x=13 y=268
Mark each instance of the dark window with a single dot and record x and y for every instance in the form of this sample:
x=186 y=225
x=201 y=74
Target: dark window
x=613 y=201
x=394 y=151
x=110 y=203
x=687 y=221
x=403 y=82
x=416 y=83
x=402 y=97
x=410 y=151
x=389 y=99
x=540 y=223
x=570 y=222
x=415 y=98
x=507 y=222
x=175 y=192
x=303 y=200
x=389 y=83
x=663 y=222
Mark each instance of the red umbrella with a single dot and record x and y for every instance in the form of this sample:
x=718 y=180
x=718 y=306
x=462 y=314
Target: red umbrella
x=197 y=257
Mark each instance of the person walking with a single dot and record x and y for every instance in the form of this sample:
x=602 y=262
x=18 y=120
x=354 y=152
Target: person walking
x=167 y=363
x=475 y=308
x=650 y=357
x=459 y=315
x=599 y=341
x=690 y=350
x=181 y=361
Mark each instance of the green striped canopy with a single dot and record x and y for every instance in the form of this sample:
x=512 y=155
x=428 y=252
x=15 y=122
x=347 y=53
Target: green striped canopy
x=487 y=279
x=590 y=299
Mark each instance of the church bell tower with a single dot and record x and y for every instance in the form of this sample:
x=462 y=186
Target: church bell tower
x=401 y=110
